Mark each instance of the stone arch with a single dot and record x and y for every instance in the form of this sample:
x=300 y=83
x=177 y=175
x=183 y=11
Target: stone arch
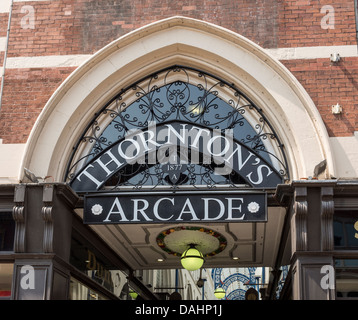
x=190 y=42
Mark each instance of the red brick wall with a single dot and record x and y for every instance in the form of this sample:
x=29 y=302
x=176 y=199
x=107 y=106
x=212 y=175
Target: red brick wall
x=94 y=23
x=27 y=91
x=329 y=84
x=300 y=23
x=64 y=27
x=86 y=26
x=3 y=24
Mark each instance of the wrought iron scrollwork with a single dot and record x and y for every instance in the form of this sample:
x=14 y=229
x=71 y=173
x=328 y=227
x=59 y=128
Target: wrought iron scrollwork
x=185 y=95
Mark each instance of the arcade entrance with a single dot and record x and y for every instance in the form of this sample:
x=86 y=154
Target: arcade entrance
x=182 y=158
x=198 y=138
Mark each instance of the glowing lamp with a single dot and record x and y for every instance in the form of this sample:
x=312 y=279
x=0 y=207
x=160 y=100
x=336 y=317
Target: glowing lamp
x=133 y=294
x=219 y=293
x=192 y=259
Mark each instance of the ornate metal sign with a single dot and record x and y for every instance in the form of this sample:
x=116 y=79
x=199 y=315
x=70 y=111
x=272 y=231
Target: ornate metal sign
x=138 y=207
x=179 y=126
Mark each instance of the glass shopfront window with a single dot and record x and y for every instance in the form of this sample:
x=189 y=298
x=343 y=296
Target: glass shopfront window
x=6 y=272
x=7 y=231
x=78 y=291
x=91 y=262
x=347 y=278
x=345 y=228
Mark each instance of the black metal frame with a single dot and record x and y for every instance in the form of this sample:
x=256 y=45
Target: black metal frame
x=201 y=109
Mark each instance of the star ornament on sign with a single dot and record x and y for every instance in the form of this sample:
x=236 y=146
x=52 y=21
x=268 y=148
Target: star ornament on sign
x=253 y=207
x=97 y=209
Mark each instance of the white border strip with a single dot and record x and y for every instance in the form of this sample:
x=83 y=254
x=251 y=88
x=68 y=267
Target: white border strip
x=2 y=43
x=313 y=52
x=5 y=4
x=47 y=61
x=280 y=54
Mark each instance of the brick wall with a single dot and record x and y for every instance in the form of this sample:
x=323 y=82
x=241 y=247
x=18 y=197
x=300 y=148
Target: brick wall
x=27 y=91
x=69 y=27
x=87 y=26
x=3 y=24
x=303 y=24
x=329 y=84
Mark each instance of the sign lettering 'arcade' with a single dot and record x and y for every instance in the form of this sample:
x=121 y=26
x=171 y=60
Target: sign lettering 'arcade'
x=155 y=145
x=181 y=207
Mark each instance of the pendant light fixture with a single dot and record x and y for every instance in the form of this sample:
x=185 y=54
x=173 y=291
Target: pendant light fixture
x=192 y=259
x=219 y=293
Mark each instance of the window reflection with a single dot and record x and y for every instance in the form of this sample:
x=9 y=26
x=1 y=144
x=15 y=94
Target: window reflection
x=6 y=272
x=345 y=229
x=347 y=278
x=79 y=291
x=7 y=231
x=87 y=259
